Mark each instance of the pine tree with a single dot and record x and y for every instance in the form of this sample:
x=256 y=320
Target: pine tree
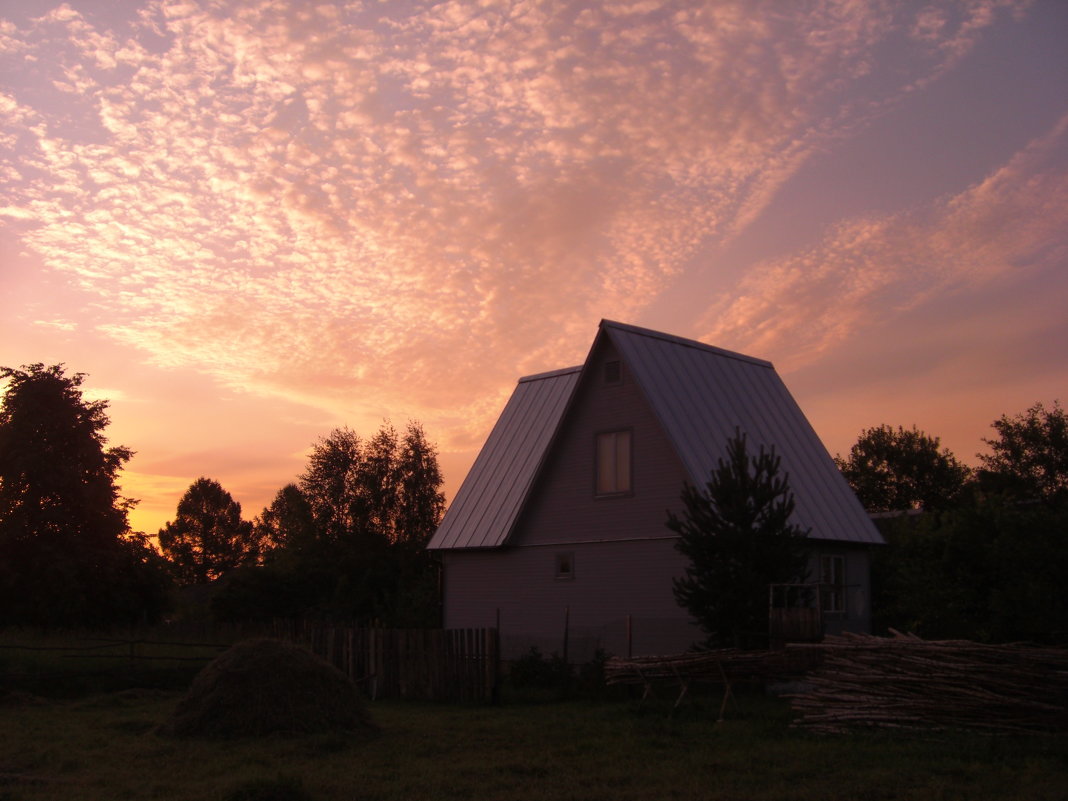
x=738 y=537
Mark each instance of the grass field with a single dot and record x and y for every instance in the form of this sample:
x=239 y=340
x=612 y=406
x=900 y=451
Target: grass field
x=102 y=747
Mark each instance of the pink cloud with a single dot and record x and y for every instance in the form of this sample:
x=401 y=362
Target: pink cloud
x=867 y=270
x=371 y=208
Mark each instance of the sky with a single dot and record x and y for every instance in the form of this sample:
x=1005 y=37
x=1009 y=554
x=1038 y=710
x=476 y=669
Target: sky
x=250 y=223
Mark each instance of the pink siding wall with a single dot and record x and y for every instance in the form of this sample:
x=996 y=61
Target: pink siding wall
x=563 y=506
x=611 y=582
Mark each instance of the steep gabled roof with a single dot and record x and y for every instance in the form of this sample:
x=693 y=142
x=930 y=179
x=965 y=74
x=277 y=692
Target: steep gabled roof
x=700 y=395
x=488 y=502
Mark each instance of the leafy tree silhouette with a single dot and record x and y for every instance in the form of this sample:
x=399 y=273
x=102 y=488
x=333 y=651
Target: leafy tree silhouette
x=387 y=487
x=67 y=555
x=1029 y=457
x=894 y=470
x=349 y=541
x=287 y=524
x=207 y=536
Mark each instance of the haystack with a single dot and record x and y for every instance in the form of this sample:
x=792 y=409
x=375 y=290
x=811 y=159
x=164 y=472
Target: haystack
x=265 y=686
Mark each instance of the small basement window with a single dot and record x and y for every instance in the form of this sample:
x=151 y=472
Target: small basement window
x=565 y=565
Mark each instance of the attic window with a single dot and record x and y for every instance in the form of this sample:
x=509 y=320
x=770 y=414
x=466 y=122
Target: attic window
x=613 y=463
x=613 y=372
x=565 y=565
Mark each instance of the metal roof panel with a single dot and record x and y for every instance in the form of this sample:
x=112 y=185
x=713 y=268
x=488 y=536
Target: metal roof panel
x=701 y=394
x=488 y=502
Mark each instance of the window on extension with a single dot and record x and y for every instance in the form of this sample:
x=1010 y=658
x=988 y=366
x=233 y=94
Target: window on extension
x=613 y=463
x=832 y=576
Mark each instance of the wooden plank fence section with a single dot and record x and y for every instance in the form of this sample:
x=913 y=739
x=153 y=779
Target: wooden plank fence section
x=797 y=624
x=424 y=664
x=420 y=664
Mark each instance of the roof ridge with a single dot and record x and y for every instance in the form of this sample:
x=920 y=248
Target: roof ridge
x=684 y=342
x=550 y=373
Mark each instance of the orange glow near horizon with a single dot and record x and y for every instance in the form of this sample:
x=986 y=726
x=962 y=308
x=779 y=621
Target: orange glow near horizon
x=251 y=226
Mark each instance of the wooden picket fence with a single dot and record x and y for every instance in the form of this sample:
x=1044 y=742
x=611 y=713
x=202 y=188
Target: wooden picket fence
x=424 y=664
x=418 y=664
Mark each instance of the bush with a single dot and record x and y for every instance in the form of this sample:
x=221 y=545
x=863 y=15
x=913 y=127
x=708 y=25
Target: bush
x=533 y=671
x=990 y=570
x=591 y=679
x=535 y=674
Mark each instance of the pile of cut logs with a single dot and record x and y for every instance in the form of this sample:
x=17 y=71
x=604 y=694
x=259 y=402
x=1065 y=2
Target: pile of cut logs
x=731 y=664
x=721 y=666
x=906 y=682
x=901 y=682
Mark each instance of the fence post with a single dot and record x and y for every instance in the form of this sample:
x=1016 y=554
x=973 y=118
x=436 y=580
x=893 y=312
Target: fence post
x=495 y=666
x=567 y=626
x=372 y=661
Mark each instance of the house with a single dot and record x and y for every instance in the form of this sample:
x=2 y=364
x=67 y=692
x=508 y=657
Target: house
x=560 y=523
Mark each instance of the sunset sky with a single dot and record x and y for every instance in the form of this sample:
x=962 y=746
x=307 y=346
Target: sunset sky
x=252 y=222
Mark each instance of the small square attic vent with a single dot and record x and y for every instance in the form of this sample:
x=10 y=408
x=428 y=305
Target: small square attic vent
x=613 y=372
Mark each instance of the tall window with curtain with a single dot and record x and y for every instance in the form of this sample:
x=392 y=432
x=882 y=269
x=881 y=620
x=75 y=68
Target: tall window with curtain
x=613 y=463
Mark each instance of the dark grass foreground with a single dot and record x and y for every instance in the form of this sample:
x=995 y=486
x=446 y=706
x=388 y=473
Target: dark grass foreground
x=103 y=748
x=265 y=686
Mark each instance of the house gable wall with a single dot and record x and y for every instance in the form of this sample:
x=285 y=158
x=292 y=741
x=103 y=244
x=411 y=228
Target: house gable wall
x=623 y=554
x=563 y=506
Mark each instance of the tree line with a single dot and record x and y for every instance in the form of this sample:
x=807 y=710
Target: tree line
x=978 y=553
x=347 y=540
